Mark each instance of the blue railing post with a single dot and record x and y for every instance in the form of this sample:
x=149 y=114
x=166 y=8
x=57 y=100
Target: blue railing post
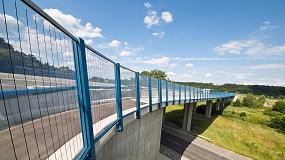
x=118 y=97
x=84 y=98
x=159 y=93
x=149 y=94
x=166 y=93
x=179 y=94
x=138 y=103
x=173 y=91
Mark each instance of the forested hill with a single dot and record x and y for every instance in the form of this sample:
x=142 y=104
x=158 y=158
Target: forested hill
x=275 y=91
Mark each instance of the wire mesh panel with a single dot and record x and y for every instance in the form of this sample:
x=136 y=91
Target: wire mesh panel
x=144 y=95
x=170 y=91
x=187 y=93
x=101 y=80
x=182 y=93
x=154 y=90
x=128 y=89
x=38 y=102
x=163 y=90
x=177 y=91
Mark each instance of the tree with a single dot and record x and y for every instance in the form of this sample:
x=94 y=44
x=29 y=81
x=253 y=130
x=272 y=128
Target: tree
x=279 y=106
x=249 y=100
x=156 y=74
x=236 y=103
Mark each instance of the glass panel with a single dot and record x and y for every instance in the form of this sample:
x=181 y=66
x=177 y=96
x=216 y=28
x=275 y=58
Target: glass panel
x=154 y=87
x=144 y=99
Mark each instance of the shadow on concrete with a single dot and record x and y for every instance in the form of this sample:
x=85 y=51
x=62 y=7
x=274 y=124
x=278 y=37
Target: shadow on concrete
x=200 y=123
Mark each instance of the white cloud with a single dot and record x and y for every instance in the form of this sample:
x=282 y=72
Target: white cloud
x=189 y=65
x=151 y=19
x=171 y=74
x=158 y=34
x=186 y=75
x=147 y=4
x=208 y=75
x=86 y=31
x=125 y=53
x=166 y=17
x=268 y=66
x=161 y=61
x=240 y=76
x=249 y=47
x=173 y=65
x=266 y=26
x=114 y=43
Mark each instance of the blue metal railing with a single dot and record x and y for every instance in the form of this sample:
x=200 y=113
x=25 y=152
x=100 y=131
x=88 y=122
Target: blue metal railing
x=57 y=81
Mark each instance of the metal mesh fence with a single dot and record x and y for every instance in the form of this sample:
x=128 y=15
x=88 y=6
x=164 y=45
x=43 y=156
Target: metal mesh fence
x=154 y=90
x=38 y=105
x=170 y=92
x=163 y=90
x=128 y=89
x=144 y=91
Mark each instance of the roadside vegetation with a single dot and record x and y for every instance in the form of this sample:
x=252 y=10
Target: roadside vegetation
x=245 y=126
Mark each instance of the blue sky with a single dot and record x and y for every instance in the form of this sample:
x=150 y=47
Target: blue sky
x=221 y=41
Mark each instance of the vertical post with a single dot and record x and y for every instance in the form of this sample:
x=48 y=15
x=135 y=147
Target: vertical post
x=173 y=91
x=159 y=93
x=118 y=97
x=166 y=93
x=179 y=94
x=138 y=103
x=149 y=94
x=84 y=97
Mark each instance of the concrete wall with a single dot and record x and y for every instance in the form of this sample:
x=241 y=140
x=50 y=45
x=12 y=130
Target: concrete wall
x=140 y=139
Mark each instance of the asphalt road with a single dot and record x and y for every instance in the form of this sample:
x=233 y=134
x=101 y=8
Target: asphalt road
x=191 y=151
x=39 y=138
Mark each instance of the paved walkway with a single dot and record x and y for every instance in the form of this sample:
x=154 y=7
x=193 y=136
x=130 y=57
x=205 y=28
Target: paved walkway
x=177 y=144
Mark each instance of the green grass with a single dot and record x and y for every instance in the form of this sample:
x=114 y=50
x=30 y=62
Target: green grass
x=253 y=135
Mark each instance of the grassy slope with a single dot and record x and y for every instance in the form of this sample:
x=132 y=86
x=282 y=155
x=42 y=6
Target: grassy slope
x=249 y=136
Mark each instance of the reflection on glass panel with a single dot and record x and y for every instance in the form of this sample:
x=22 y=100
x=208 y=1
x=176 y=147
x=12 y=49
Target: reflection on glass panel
x=38 y=89
x=154 y=91
x=144 y=93
x=102 y=91
x=170 y=91
x=128 y=89
x=163 y=90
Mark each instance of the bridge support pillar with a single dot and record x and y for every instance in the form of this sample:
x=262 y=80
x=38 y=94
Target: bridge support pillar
x=222 y=103
x=163 y=112
x=185 y=115
x=187 y=119
x=218 y=104
x=194 y=107
x=209 y=109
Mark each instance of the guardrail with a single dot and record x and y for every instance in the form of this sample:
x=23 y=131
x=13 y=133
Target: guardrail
x=59 y=96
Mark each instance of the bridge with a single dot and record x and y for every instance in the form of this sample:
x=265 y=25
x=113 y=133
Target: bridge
x=62 y=99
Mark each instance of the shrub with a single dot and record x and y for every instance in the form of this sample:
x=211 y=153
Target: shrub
x=279 y=106
x=249 y=100
x=236 y=103
x=260 y=101
x=242 y=114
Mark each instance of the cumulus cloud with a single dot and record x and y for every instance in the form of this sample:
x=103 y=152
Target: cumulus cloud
x=171 y=74
x=125 y=53
x=208 y=75
x=267 y=26
x=161 y=61
x=189 y=65
x=158 y=34
x=166 y=17
x=151 y=19
x=75 y=25
x=114 y=43
x=147 y=5
x=268 y=66
x=249 y=47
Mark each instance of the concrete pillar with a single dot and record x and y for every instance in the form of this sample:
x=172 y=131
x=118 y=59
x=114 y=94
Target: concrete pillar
x=189 y=117
x=194 y=107
x=209 y=109
x=185 y=116
x=222 y=103
x=218 y=104
x=163 y=116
